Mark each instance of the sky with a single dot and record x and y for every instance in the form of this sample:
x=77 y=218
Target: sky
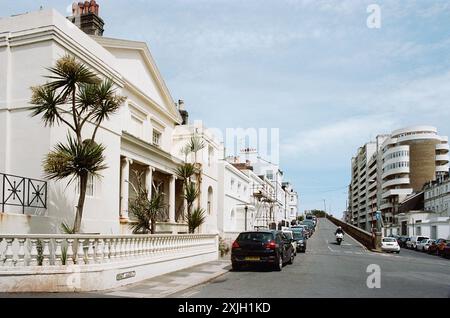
x=311 y=68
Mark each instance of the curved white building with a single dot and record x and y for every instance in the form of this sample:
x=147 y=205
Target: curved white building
x=411 y=157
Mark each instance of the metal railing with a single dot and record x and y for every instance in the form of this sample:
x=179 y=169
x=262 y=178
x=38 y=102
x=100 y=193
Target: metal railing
x=23 y=192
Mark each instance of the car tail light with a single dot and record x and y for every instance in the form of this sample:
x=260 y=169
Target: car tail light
x=272 y=245
x=235 y=245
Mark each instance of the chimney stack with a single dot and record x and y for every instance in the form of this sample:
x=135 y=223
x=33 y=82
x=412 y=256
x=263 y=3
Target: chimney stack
x=183 y=112
x=85 y=16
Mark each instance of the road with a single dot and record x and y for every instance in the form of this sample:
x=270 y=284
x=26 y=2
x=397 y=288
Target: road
x=330 y=270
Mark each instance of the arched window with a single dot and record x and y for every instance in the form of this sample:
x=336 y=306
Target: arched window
x=210 y=200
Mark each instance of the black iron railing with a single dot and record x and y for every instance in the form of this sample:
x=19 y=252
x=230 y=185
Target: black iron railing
x=23 y=192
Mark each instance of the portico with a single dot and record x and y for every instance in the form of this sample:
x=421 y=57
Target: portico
x=140 y=159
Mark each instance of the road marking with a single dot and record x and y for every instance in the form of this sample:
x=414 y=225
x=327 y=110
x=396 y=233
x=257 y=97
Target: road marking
x=331 y=249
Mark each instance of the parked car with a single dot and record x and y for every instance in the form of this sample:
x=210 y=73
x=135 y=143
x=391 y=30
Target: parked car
x=401 y=240
x=446 y=251
x=305 y=229
x=300 y=238
x=290 y=235
x=390 y=244
x=262 y=247
x=440 y=245
x=424 y=245
x=412 y=243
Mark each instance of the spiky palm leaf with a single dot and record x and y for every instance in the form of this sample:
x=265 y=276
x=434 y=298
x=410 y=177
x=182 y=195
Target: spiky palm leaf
x=186 y=171
x=196 y=219
x=195 y=144
x=108 y=101
x=145 y=211
x=68 y=73
x=46 y=104
x=190 y=193
x=74 y=159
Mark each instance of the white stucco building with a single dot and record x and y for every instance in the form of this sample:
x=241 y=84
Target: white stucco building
x=208 y=158
x=138 y=137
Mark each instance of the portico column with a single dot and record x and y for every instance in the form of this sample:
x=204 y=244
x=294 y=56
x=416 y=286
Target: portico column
x=149 y=181
x=125 y=175
x=172 y=199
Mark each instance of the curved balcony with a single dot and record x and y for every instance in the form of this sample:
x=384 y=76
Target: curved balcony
x=395 y=149
x=396 y=192
x=403 y=170
x=442 y=158
x=443 y=147
x=443 y=168
x=395 y=160
x=395 y=182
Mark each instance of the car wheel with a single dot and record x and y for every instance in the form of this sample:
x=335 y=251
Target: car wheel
x=291 y=259
x=278 y=266
x=235 y=267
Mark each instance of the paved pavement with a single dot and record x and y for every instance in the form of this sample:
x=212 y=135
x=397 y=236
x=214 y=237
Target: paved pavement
x=330 y=270
x=157 y=287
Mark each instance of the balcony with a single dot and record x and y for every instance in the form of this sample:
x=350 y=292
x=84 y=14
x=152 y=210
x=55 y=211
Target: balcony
x=442 y=158
x=395 y=182
x=386 y=205
x=443 y=147
x=396 y=192
x=403 y=170
x=443 y=168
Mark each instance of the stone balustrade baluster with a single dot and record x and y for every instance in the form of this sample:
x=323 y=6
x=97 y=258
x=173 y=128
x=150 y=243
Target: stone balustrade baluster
x=98 y=256
x=9 y=254
x=90 y=251
x=45 y=252
x=106 y=250
x=21 y=252
x=33 y=253
x=121 y=247
x=70 y=258
x=2 y=252
x=80 y=252
x=59 y=252
x=113 y=252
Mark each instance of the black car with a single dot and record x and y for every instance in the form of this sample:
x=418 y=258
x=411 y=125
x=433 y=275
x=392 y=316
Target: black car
x=299 y=236
x=402 y=241
x=262 y=247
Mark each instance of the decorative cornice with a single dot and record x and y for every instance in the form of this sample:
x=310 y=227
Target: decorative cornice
x=150 y=62
x=53 y=33
x=149 y=148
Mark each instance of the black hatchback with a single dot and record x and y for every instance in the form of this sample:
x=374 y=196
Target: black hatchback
x=262 y=247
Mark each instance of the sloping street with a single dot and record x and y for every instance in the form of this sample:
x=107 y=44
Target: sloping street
x=330 y=270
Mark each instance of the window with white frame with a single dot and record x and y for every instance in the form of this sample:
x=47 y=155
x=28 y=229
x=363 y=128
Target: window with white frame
x=156 y=138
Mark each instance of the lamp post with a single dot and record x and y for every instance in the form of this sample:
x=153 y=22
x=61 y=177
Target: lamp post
x=246 y=210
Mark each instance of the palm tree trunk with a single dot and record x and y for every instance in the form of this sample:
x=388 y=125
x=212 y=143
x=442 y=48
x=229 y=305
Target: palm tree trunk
x=153 y=226
x=80 y=206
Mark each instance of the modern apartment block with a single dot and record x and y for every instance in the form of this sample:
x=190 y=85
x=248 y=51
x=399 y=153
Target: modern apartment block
x=411 y=158
x=386 y=171
x=364 y=188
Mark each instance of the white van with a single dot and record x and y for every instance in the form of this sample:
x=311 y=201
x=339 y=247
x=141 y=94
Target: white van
x=412 y=244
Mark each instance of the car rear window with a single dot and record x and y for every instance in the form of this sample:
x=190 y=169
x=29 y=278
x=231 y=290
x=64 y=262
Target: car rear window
x=389 y=239
x=298 y=235
x=255 y=236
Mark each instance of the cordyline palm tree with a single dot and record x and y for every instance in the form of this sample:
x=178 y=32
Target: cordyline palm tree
x=191 y=189
x=146 y=210
x=75 y=96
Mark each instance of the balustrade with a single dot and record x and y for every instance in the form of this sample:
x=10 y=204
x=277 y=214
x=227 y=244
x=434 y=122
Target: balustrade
x=65 y=250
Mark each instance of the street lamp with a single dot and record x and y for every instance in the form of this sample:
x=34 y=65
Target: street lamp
x=246 y=210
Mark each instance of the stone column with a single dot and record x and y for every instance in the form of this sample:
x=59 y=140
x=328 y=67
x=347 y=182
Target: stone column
x=172 y=199
x=124 y=186
x=149 y=181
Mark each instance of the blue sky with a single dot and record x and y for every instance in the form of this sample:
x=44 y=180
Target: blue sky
x=311 y=68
